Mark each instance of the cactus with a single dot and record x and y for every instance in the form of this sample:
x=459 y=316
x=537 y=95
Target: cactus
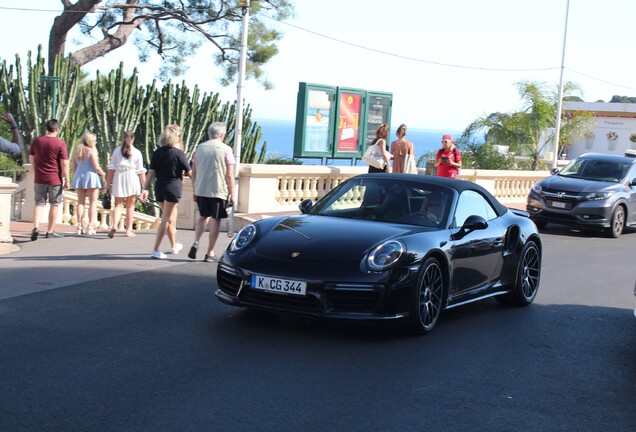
x=109 y=105
x=30 y=97
x=115 y=104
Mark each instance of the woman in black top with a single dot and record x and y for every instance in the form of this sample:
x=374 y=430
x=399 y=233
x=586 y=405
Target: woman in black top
x=168 y=164
x=380 y=139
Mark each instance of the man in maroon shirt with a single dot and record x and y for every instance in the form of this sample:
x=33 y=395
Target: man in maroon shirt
x=49 y=159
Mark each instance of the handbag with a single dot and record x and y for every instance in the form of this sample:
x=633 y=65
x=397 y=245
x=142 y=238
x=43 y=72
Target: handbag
x=373 y=157
x=106 y=201
x=410 y=167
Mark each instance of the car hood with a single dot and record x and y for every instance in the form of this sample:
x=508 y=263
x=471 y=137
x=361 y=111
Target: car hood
x=569 y=184
x=325 y=239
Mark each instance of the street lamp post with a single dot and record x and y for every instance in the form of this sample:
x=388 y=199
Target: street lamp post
x=238 y=130
x=557 y=131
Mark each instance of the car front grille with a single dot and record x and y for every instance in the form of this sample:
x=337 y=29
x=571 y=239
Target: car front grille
x=333 y=297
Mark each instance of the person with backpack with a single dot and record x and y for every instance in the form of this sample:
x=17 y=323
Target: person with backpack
x=448 y=160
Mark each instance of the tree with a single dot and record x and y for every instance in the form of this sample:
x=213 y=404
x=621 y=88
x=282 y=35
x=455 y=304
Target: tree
x=528 y=131
x=173 y=29
x=484 y=156
x=622 y=99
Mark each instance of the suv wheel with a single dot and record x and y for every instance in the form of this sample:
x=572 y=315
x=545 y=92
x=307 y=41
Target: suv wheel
x=618 y=222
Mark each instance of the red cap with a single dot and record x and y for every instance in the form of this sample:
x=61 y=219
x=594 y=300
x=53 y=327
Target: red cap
x=447 y=137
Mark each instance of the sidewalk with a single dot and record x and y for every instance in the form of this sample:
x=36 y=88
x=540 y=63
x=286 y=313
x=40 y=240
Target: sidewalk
x=33 y=266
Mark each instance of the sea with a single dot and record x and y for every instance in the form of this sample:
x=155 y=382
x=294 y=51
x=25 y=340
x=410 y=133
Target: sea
x=279 y=135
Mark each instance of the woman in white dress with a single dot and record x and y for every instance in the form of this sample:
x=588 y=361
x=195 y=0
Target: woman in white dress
x=126 y=174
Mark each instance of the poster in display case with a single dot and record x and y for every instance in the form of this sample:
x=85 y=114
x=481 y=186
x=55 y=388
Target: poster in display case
x=314 y=121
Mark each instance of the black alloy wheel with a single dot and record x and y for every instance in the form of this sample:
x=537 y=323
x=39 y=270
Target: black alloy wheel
x=618 y=223
x=528 y=276
x=427 y=298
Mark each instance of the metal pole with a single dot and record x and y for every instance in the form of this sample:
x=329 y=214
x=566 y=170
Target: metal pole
x=238 y=130
x=557 y=131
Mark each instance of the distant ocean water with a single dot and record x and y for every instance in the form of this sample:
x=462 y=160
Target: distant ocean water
x=279 y=135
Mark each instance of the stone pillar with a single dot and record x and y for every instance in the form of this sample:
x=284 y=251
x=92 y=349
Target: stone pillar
x=187 y=212
x=7 y=188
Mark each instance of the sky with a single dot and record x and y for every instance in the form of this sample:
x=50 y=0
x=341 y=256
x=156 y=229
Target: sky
x=446 y=63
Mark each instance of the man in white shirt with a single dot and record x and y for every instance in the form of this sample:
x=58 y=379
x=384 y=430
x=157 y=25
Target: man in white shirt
x=10 y=147
x=213 y=180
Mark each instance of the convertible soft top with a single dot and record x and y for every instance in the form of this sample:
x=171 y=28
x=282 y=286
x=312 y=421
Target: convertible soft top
x=458 y=185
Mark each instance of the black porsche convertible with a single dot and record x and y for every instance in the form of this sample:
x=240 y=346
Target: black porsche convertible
x=385 y=247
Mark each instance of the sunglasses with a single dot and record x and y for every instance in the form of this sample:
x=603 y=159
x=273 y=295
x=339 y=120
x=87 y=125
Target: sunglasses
x=445 y=141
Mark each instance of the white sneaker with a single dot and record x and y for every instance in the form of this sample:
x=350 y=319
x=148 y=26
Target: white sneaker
x=176 y=249
x=158 y=255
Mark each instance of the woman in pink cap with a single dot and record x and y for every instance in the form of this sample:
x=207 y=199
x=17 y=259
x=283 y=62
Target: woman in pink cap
x=448 y=160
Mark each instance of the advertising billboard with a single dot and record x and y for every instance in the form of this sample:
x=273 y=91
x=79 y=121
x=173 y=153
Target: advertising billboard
x=349 y=134
x=336 y=122
x=378 y=112
x=315 y=111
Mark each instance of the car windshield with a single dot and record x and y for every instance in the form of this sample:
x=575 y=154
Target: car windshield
x=407 y=202
x=594 y=169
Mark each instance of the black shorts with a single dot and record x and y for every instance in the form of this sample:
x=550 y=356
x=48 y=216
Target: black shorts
x=212 y=207
x=170 y=192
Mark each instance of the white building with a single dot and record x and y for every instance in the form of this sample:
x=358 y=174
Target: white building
x=613 y=131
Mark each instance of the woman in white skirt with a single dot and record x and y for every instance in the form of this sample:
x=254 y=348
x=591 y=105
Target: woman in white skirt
x=126 y=174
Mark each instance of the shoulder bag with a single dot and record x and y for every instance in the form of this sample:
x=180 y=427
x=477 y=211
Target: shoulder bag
x=410 y=167
x=373 y=156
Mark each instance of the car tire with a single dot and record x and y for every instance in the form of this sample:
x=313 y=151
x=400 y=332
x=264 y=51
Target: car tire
x=527 y=279
x=427 y=298
x=617 y=223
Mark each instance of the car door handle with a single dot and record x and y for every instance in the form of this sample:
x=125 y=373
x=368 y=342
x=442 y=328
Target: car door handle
x=498 y=241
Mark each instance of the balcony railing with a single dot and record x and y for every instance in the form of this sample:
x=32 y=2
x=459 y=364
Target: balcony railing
x=266 y=189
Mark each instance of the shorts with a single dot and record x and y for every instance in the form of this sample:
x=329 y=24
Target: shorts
x=54 y=193
x=212 y=207
x=170 y=192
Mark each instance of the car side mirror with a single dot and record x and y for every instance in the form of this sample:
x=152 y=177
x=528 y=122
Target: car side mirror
x=553 y=171
x=472 y=223
x=305 y=206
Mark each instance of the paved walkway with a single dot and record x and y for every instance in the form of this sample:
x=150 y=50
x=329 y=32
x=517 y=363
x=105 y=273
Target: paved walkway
x=31 y=266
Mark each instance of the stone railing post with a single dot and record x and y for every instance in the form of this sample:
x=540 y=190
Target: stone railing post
x=7 y=188
x=187 y=212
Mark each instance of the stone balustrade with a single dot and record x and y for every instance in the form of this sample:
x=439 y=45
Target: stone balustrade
x=266 y=189
x=24 y=202
x=280 y=188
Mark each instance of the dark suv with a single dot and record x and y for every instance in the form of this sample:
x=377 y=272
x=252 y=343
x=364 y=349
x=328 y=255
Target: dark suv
x=592 y=191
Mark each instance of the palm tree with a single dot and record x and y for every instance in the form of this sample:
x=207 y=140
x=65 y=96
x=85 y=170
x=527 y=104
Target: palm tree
x=528 y=131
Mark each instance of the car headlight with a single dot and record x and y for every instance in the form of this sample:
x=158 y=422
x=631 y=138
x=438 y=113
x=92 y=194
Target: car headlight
x=385 y=255
x=243 y=238
x=599 y=195
x=537 y=188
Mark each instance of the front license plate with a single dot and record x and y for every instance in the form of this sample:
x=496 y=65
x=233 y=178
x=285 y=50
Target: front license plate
x=279 y=286
x=558 y=204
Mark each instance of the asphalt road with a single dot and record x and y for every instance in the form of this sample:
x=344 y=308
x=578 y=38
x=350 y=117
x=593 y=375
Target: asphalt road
x=154 y=351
